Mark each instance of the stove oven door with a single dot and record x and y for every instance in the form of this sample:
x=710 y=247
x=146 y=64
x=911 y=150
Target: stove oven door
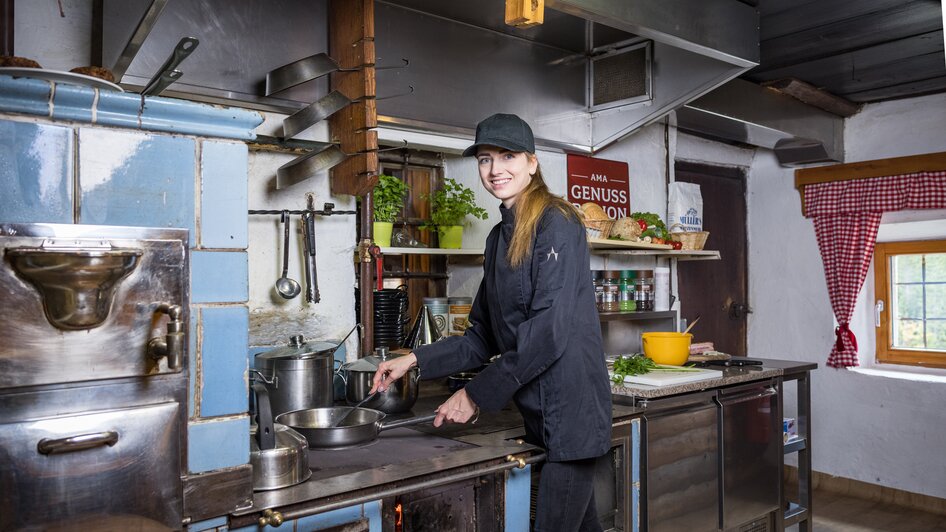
x=106 y=470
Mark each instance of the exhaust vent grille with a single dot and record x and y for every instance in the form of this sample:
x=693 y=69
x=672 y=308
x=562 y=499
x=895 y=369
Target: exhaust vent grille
x=621 y=77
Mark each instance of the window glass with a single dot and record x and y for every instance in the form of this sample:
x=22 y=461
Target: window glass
x=908 y=268
x=936 y=334
x=908 y=334
x=935 y=267
x=908 y=301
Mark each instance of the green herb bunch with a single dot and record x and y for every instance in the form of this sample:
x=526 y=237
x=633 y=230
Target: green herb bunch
x=638 y=364
x=388 y=198
x=655 y=226
x=451 y=205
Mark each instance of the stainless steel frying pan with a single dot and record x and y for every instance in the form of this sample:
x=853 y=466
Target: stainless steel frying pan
x=362 y=426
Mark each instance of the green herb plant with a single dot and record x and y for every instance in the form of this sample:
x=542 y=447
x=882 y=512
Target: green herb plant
x=655 y=226
x=388 y=197
x=638 y=364
x=451 y=205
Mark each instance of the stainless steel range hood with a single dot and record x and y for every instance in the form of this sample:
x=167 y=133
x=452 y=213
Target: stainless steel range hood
x=747 y=113
x=465 y=63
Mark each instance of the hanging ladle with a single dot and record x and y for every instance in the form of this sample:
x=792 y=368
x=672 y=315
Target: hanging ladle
x=286 y=287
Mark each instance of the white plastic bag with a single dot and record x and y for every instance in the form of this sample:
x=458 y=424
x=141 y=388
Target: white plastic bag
x=685 y=208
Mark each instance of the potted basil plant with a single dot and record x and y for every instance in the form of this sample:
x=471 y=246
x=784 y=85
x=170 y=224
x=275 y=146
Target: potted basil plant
x=388 y=199
x=449 y=208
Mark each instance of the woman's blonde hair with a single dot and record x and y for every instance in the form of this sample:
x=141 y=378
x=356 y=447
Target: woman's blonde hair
x=530 y=207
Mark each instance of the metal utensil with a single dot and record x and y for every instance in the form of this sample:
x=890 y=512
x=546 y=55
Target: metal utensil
x=306 y=166
x=314 y=424
x=305 y=69
x=286 y=287
x=338 y=421
x=308 y=243
x=692 y=324
x=168 y=72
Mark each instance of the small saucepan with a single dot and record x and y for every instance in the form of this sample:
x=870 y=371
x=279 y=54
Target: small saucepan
x=361 y=426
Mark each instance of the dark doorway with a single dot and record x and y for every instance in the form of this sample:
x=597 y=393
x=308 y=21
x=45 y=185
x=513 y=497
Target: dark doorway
x=718 y=290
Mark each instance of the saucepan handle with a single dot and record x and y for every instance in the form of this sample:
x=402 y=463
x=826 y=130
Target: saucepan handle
x=385 y=425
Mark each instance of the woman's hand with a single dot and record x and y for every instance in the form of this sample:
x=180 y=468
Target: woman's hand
x=458 y=409
x=390 y=371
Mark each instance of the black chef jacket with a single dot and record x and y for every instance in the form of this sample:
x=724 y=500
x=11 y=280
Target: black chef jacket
x=542 y=318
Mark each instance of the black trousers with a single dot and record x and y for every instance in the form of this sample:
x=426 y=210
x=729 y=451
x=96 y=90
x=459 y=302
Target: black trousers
x=566 y=501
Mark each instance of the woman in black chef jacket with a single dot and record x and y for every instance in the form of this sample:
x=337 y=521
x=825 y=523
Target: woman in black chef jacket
x=535 y=307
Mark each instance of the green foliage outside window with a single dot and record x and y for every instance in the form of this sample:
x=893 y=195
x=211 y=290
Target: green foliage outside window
x=919 y=304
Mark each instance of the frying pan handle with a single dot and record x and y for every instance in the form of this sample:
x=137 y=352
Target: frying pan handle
x=385 y=425
x=265 y=431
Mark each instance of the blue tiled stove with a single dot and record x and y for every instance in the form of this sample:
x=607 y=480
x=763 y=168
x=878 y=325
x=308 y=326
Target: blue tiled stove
x=79 y=155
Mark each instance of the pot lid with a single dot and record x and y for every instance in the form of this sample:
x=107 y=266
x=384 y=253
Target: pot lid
x=371 y=362
x=299 y=348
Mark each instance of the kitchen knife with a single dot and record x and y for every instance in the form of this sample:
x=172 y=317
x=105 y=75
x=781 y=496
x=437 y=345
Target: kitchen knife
x=735 y=362
x=308 y=241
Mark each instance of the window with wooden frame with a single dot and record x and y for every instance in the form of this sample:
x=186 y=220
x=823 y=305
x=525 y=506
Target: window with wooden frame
x=910 y=290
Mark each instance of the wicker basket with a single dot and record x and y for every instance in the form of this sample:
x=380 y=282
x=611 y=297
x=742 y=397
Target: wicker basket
x=691 y=241
x=598 y=228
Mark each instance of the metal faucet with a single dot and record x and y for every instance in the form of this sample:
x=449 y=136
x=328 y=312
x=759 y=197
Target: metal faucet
x=172 y=345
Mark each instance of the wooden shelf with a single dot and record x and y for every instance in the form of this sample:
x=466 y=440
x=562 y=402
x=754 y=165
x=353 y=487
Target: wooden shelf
x=635 y=315
x=431 y=251
x=619 y=247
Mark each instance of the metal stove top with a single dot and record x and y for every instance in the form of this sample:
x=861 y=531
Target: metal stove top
x=392 y=447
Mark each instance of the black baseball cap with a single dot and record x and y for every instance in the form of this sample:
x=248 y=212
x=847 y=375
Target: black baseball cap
x=503 y=131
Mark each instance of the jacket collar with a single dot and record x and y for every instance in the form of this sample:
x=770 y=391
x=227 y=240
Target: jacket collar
x=508 y=221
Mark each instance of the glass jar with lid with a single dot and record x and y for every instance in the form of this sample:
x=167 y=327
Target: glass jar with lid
x=644 y=290
x=598 y=280
x=626 y=291
x=612 y=291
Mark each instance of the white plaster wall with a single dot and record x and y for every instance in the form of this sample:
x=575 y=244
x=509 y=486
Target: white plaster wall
x=273 y=319
x=873 y=428
x=897 y=128
x=55 y=42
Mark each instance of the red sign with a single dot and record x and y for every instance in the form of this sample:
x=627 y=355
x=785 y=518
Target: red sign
x=600 y=181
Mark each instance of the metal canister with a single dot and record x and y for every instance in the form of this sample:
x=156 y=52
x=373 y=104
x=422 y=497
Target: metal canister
x=458 y=318
x=299 y=375
x=440 y=310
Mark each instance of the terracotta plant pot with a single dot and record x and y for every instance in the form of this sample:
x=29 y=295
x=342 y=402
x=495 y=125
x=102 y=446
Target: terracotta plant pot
x=382 y=233
x=451 y=236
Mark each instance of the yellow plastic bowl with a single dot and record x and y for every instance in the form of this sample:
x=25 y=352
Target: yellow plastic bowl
x=671 y=348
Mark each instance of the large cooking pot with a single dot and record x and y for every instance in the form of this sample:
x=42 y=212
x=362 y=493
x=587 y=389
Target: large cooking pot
x=299 y=375
x=361 y=426
x=359 y=378
x=278 y=454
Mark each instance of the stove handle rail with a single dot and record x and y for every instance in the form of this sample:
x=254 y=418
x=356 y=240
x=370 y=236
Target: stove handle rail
x=80 y=442
x=172 y=345
x=274 y=518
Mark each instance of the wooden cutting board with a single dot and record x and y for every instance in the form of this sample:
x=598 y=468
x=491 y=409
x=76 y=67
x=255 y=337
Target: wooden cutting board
x=659 y=378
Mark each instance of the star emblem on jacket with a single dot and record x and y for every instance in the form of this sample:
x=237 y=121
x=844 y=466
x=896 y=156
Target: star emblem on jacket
x=552 y=254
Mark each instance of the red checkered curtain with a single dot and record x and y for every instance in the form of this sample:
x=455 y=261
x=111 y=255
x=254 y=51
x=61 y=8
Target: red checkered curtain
x=846 y=215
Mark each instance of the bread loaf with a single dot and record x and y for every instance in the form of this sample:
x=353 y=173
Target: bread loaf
x=593 y=211
x=626 y=229
x=21 y=62
x=95 y=72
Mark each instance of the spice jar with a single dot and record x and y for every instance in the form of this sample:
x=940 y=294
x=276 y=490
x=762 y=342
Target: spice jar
x=598 y=281
x=644 y=290
x=612 y=291
x=626 y=291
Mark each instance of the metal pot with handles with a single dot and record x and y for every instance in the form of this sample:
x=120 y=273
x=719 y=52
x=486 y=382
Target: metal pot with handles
x=278 y=454
x=359 y=377
x=299 y=375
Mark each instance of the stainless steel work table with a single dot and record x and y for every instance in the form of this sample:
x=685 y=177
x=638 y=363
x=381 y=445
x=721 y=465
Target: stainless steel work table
x=728 y=376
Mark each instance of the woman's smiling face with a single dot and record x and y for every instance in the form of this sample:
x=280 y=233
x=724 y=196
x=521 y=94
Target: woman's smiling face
x=504 y=173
